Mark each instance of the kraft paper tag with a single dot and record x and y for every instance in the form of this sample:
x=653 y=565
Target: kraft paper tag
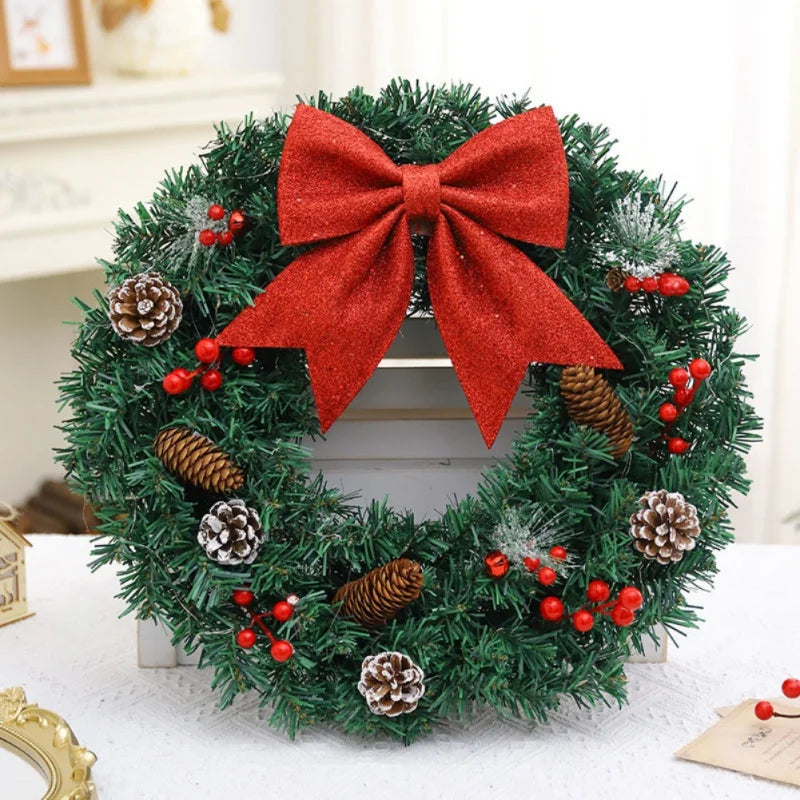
x=741 y=742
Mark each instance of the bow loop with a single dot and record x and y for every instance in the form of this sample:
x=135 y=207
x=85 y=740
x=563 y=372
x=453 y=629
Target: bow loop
x=344 y=300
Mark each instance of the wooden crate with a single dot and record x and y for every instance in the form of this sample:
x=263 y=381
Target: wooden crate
x=409 y=434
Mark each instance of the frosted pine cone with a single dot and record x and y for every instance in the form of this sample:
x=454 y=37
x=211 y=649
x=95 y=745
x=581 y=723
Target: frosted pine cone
x=145 y=309
x=665 y=527
x=231 y=533
x=391 y=683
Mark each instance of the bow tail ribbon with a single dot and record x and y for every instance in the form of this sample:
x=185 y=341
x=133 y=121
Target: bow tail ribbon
x=498 y=312
x=343 y=303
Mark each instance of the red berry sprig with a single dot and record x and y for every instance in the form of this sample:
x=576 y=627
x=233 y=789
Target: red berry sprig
x=763 y=708
x=219 y=234
x=280 y=649
x=496 y=564
x=620 y=610
x=207 y=352
x=667 y=283
x=682 y=397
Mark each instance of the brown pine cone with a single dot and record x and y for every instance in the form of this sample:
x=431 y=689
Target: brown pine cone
x=197 y=460
x=615 y=279
x=391 y=683
x=231 y=533
x=375 y=598
x=591 y=401
x=665 y=527
x=145 y=309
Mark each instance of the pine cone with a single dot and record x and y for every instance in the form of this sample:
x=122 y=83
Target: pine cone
x=375 y=598
x=197 y=460
x=615 y=279
x=231 y=533
x=391 y=683
x=145 y=309
x=665 y=527
x=591 y=401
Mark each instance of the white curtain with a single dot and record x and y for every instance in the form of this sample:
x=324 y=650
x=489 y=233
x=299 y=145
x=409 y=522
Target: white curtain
x=705 y=93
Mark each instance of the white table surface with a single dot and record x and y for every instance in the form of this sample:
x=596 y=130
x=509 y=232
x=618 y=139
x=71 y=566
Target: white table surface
x=159 y=733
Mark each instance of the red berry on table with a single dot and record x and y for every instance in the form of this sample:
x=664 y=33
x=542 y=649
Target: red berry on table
x=631 y=598
x=547 y=576
x=558 y=553
x=632 y=284
x=791 y=687
x=678 y=377
x=211 y=380
x=764 y=710
x=583 y=620
x=206 y=237
x=672 y=285
x=531 y=564
x=174 y=383
x=700 y=369
x=243 y=356
x=282 y=610
x=243 y=597
x=668 y=412
x=597 y=591
x=237 y=221
x=551 y=609
x=676 y=445
x=207 y=351
x=621 y=616
x=216 y=212
x=183 y=373
x=495 y=564
x=246 y=638
x=281 y=650
x=649 y=285
x=224 y=238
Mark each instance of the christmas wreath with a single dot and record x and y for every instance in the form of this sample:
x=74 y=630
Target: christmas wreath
x=541 y=262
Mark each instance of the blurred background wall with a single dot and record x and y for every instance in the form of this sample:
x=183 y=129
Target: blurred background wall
x=704 y=93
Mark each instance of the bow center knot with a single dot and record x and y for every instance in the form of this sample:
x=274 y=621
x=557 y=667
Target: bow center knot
x=422 y=191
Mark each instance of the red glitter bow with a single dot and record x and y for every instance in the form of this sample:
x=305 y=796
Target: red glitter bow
x=344 y=301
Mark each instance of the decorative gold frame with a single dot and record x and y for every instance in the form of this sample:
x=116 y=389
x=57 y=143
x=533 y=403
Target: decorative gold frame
x=46 y=741
x=79 y=73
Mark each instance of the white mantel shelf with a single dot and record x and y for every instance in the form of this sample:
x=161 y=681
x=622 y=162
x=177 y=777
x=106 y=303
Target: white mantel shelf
x=71 y=157
x=119 y=104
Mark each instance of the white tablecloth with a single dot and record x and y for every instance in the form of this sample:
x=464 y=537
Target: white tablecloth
x=159 y=733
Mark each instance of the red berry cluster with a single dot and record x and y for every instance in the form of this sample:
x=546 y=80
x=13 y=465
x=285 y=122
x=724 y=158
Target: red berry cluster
x=546 y=575
x=621 y=610
x=667 y=283
x=208 y=354
x=236 y=224
x=280 y=649
x=682 y=397
x=497 y=565
x=763 y=708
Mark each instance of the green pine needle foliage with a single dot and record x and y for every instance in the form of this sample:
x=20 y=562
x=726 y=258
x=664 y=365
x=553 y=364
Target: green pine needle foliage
x=481 y=643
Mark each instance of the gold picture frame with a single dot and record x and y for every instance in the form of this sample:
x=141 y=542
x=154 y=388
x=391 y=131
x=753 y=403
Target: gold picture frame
x=42 y=42
x=45 y=740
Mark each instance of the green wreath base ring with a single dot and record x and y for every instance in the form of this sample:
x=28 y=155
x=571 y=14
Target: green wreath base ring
x=481 y=641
